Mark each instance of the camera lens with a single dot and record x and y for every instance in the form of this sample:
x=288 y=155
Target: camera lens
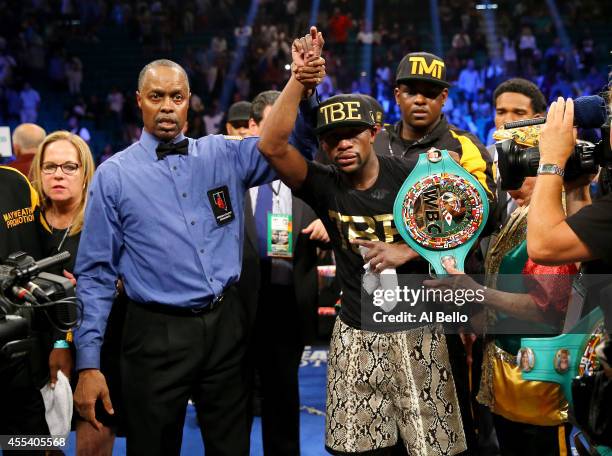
x=515 y=164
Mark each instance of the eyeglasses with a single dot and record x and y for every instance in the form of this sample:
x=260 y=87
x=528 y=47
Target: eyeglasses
x=68 y=168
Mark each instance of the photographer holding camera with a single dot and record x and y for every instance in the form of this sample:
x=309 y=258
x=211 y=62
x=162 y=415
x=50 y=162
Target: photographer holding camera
x=22 y=410
x=553 y=238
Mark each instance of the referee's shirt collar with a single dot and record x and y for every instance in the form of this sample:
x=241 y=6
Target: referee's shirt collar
x=150 y=142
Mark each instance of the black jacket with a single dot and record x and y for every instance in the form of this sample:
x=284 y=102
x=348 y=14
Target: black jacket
x=305 y=277
x=474 y=156
x=19 y=211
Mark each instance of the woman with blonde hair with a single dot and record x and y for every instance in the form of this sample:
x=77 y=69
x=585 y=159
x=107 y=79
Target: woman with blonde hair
x=62 y=171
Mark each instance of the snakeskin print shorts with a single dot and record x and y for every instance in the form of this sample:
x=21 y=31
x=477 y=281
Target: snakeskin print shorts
x=384 y=386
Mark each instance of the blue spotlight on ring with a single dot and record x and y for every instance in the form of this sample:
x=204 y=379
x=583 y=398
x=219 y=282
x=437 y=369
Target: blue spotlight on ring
x=435 y=25
x=314 y=12
x=242 y=44
x=366 y=51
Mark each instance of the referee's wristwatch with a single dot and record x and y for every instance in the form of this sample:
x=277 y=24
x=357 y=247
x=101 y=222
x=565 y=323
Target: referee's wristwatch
x=549 y=168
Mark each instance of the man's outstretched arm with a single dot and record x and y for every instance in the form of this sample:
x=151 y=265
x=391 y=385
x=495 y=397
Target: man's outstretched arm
x=550 y=240
x=274 y=144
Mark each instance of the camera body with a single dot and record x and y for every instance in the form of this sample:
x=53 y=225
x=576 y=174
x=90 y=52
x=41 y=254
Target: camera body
x=30 y=299
x=515 y=163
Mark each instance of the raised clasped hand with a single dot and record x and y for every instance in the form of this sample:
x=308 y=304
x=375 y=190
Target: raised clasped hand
x=308 y=66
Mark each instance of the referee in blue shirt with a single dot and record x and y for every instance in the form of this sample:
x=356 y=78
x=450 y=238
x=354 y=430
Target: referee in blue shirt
x=166 y=215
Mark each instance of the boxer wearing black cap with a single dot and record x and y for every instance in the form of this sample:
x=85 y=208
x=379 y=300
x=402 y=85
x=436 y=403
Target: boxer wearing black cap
x=373 y=400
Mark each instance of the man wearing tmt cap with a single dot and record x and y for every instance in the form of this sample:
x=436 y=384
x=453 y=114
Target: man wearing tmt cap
x=421 y=91
x=373 y=385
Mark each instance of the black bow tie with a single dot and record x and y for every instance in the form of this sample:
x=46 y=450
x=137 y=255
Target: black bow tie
x=165 y=149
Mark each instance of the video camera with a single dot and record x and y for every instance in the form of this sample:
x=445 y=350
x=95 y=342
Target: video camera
x=28 y=295
x=519 y=155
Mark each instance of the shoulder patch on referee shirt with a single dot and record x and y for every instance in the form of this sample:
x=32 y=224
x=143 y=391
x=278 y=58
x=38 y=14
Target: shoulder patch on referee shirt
x=221 y=205
x=234 y=138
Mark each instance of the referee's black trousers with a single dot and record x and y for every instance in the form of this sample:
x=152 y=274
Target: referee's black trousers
x=168 y=358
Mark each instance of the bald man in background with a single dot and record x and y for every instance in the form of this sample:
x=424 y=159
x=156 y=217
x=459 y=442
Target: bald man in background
x=26 y=139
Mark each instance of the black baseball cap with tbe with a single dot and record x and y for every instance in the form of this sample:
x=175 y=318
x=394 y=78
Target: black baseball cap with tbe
x=347 y=110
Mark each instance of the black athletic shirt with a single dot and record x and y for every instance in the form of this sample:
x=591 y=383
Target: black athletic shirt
x=593 y=225
x=55 y=241
x=348 y=213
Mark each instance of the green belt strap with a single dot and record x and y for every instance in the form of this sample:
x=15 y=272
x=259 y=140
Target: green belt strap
x=546 y=348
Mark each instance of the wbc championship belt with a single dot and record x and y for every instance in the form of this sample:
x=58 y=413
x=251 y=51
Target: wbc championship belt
x=440 y=210
x=565 y=357
x=562 y=358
